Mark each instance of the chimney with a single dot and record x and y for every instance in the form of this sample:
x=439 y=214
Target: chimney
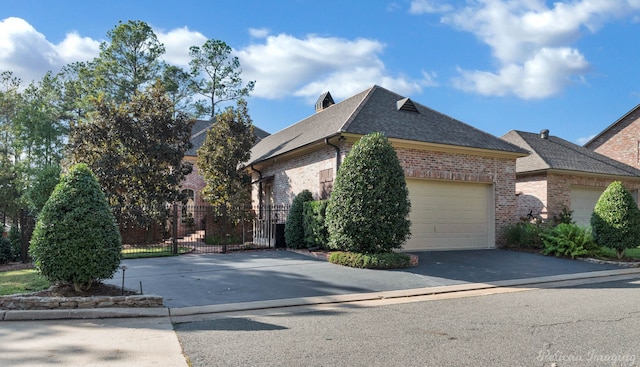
x=544 y=134
x=324 y=101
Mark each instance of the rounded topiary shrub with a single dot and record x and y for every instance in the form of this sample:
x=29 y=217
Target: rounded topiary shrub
x=294 y=227
x=615 y=221
x=76 y=238
x=368 y=211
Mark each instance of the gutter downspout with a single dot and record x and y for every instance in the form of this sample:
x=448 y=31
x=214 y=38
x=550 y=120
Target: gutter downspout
x=337 y=148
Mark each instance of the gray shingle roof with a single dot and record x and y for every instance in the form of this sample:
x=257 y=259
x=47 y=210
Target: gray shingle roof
x=559 y=154
x=376 y=109
x=199 y=133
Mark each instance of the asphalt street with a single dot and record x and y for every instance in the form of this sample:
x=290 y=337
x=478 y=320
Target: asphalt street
x=588 y=325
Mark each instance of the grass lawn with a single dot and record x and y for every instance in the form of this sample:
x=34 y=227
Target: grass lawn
x=151 y=251
x=22 y=281
x=630 y=253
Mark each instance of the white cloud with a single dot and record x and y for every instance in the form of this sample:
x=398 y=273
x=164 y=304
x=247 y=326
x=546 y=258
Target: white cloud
x=531 y=42
x=259 y=33
x=545 y=74
x=24 y=51
x=177 y=43
x=429 y=6
x=285 y=65
x=76 y=48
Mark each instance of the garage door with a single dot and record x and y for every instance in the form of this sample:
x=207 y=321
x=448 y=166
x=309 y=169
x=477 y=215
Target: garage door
x=583 y=200
x=450 y=215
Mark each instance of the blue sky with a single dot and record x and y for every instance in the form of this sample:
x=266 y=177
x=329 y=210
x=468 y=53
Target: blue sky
x=568 y=66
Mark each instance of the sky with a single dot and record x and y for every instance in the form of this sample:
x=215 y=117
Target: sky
x=572 y=67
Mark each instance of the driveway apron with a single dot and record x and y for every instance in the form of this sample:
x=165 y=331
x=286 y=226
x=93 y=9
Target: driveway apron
x=210 y=279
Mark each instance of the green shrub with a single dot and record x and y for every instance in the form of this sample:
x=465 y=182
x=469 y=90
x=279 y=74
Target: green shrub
x=616 y=219
x=565 y=216
x=368 y=211
x=386 y=260
x=45 y=181
x=16 y=243
x=315 y=228
x=76 y=238
x=6 y=253
x=524 y=235
x=221 y=240
x=569 y=240
x=294 y=227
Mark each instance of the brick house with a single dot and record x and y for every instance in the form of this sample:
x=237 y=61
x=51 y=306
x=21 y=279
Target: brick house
x=461 y=180
x=193 y=183
x=559 y=174
x=620 y=140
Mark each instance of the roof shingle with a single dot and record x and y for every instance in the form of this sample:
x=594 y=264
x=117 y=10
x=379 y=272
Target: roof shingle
x=372 y=110
x=558 y=154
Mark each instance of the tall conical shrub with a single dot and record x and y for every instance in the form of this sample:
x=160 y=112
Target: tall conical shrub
x=368 y=211
x=294 y=227
x=76 y=239
x=615 y=221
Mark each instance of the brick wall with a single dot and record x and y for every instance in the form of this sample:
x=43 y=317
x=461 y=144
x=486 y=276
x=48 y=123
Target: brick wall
x=622 y=141
x=194 y=181
x=547 y=194
x=531 y=192
x=294 y=175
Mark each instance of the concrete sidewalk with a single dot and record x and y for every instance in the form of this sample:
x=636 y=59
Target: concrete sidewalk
x=145 y=342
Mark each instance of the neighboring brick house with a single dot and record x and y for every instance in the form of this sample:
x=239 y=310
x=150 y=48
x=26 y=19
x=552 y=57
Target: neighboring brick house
x=559 y=174
x=461 y=180
x=194 y=182
x=620 y=140
x=194 y=208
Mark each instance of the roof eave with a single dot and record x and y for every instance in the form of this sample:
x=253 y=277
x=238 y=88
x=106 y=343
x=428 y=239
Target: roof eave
x=577 y=173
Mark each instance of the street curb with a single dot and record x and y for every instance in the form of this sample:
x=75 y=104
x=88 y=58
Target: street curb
x=405 y=293
x=23 y=315
x=82 y=313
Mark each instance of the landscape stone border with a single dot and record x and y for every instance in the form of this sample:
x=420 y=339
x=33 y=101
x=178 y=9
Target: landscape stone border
x=27 y=302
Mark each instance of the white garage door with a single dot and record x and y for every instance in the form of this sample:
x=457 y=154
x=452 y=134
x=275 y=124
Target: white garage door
x=450 y=215
x=583 y=200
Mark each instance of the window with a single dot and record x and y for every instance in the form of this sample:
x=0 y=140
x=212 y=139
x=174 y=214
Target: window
x=326 y=183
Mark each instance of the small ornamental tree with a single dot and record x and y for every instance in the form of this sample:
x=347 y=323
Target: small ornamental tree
x=615 y=221
x=294 y=228
x=369 y=207
x=76 y=238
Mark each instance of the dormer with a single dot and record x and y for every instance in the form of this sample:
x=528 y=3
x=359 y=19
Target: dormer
x=324 y=101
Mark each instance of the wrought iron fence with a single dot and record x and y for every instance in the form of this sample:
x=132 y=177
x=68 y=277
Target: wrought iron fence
x=208 y=229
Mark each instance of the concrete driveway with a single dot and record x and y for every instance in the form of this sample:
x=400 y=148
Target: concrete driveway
x=213 y=279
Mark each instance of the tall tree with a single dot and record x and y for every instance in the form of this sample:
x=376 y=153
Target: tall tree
x=40 y=130
x=10 y=99
x=136 y=150
x=78 y=82
x=129 y=62
x=10 y=183
x=177 y=83
x=222 y=155
x=216 y=75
